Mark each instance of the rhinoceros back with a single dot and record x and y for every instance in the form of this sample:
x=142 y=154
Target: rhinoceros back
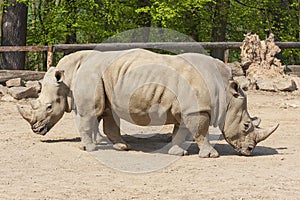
x=148 y=88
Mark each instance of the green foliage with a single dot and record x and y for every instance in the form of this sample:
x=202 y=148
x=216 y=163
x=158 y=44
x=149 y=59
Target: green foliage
x=264 y=17
x=93 y=21
x=188 y=17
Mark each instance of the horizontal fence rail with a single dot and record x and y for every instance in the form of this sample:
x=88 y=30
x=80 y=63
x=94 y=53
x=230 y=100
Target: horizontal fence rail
x=184 y=46
x=150 y=45
x=164 y=45
x=23 y=48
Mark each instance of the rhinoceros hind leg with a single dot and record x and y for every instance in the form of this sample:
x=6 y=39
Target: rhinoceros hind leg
x=98 y=138
x=178 y=137
x=121 y=146
x=112 y=131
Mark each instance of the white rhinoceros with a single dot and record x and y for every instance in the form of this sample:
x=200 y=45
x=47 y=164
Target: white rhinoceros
x=191 y=91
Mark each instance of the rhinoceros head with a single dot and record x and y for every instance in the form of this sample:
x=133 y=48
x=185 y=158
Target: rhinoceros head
x=48 y=109
x=239 y=130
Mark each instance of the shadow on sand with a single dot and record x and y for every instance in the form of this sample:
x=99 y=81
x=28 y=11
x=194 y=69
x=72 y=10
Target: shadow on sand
x=226 y=149
x=160 y=143
x=76 y=139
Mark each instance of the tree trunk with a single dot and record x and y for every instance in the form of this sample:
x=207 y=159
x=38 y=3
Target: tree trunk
x=71 y=37
x=144 y=20
x=14 y=25
x=299 y=15
x=72 y=8
x=219 y=26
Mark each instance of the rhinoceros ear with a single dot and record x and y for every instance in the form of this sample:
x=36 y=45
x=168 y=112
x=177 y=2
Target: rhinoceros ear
x=59 y=75
x=53 y=76
x=235 y=89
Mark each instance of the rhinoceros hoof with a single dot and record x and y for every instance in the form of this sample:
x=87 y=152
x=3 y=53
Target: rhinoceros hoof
x=100 y=141
x=121 y=146
x=208 y=153
x=88 y=147
x=177 y=151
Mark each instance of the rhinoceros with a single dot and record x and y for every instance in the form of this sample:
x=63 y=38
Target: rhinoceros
x=190 y=90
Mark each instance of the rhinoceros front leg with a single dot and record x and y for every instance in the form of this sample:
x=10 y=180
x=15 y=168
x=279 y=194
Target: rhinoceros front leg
x=86 y=126
x=199 y=125
x=112 y=131
x=179 y=135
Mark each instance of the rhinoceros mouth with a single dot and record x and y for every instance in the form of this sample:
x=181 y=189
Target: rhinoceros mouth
x=40 y=128
x=246 y=151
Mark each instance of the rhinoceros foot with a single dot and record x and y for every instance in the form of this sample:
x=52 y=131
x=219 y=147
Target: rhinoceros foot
x=121 y=146
x=98 y=139
x=88 y=147
x=208 y=152
x=177 y=151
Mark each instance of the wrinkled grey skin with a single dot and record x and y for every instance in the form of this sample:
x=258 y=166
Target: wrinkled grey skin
x=87 y=82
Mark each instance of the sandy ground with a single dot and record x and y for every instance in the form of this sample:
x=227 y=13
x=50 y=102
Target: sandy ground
x=53 y=166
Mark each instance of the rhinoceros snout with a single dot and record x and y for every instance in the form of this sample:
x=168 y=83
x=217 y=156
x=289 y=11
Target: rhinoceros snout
x=260 y=135
x=41 y=130
x=247 y=151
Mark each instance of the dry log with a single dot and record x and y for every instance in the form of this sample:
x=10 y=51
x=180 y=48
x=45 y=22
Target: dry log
x=6 y=75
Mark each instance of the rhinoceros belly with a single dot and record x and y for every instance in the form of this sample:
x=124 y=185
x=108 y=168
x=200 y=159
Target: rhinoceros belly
x=149 y=104
x=152 y=89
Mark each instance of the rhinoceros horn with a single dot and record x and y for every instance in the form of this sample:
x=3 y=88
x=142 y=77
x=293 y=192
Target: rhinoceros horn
x=262 y=134
x=26 y=113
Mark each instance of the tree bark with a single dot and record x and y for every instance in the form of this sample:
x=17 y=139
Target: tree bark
x=71 y=37
x=299 y=15
x=14 y=25
x=219 y=26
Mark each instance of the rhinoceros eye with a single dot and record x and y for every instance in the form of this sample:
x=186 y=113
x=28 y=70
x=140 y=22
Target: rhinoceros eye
x=247 y=127
x=49 y=107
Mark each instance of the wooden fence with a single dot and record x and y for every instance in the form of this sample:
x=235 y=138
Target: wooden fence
x=187 y=46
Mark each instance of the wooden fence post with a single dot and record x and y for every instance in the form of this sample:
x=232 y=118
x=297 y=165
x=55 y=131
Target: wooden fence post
x=49 y=56
x=226 y=56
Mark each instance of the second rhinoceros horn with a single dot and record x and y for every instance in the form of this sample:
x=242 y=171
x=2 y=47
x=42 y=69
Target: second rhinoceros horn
x=262 y=134
x=26 y=113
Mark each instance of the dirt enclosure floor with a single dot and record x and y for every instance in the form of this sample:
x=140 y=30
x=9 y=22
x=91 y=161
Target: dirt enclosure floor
x=53 y=166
